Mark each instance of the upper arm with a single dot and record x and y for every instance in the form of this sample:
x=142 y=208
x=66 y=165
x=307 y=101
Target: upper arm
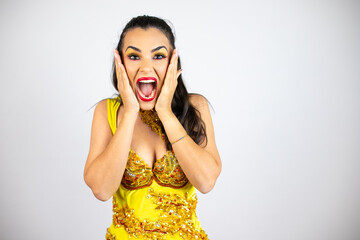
x=201 y=104
x=100 y=133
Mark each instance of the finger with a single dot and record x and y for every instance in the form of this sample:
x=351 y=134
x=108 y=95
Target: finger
x=117 y=63
x=169 y=69
x=117 y=56
x=175 y=67
x=120 y=71
x=124 y=75
x=168 y=81
x=172 y=59
x=178 y=73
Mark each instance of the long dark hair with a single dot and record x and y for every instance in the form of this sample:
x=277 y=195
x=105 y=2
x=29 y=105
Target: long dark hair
x=186 y=113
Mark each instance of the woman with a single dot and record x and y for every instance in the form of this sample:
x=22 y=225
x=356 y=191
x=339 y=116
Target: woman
x=154 y=143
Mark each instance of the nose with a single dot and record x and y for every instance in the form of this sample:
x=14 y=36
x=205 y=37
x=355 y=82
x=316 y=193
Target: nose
x=146 y=65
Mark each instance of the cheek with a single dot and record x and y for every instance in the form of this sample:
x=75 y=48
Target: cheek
x=161 y=69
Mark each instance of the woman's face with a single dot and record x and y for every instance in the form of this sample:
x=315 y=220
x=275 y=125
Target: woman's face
x=146 y=56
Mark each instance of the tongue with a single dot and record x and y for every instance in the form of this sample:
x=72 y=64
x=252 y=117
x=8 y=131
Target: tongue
x=146 y=88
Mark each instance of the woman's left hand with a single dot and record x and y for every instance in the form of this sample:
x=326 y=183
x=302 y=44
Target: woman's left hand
x=163 y=103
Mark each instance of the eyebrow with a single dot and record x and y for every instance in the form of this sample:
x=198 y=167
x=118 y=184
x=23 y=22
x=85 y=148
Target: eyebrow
x=155 y=49
x=158 y=48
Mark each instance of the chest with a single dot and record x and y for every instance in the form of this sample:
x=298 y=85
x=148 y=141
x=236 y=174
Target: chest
x=149 y=160
x=145 y=142
x=166 y=172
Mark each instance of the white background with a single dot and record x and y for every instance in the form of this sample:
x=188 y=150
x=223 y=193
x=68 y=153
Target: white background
x=282 y=76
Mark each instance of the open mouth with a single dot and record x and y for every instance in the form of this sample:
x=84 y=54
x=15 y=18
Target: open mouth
x=146 y=88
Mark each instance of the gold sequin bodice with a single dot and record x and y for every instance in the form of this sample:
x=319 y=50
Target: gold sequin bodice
x=153 y=203
x=167 y=172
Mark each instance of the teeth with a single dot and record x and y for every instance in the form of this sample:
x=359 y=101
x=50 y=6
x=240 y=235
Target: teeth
x=147 y=81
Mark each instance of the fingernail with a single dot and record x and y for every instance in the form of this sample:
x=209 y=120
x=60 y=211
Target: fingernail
x=176 y=53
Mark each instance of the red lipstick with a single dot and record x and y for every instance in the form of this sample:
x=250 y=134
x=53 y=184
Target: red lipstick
x=145 y=99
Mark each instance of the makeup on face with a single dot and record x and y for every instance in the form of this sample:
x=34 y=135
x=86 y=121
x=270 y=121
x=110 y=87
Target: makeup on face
x=146 y=86
x=132 y=55
x=146 y=55
x=158 y=53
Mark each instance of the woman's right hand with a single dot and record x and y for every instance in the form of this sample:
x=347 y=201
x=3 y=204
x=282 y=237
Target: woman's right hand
x=128 y=97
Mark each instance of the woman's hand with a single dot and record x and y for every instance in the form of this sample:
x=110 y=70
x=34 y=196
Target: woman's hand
x=163 y=103
x=128 y=97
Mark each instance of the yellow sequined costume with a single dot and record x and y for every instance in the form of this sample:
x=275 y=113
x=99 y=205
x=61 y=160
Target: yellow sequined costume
x=156 y=203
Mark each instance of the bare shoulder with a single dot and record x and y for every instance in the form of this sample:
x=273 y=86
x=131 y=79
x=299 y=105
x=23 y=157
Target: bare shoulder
x=100 y=119
x=101 y=108
x=100 y=124
x=100 y=132
x=198 y=101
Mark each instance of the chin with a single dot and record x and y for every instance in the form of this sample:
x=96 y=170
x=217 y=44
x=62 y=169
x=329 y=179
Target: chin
x=146 y=108
x=147 y=105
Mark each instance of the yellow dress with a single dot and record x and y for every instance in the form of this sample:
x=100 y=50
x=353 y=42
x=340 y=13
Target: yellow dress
x=156 y=203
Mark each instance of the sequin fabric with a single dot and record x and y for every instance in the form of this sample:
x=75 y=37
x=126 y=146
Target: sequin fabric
x=175 y=214
x=109 y=236
x=155 y=202
x=151 y=118
x=137 y=174
x=167 y=172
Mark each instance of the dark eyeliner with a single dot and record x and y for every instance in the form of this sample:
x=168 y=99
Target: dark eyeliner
x=133 y=55
x=157 y=55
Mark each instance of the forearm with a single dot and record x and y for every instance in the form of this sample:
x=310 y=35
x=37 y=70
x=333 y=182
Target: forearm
x=199 y=166
x=105 y=173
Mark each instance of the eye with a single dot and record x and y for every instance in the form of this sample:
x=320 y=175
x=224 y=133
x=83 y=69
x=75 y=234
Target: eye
x=133 y=57
x=159 y=56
